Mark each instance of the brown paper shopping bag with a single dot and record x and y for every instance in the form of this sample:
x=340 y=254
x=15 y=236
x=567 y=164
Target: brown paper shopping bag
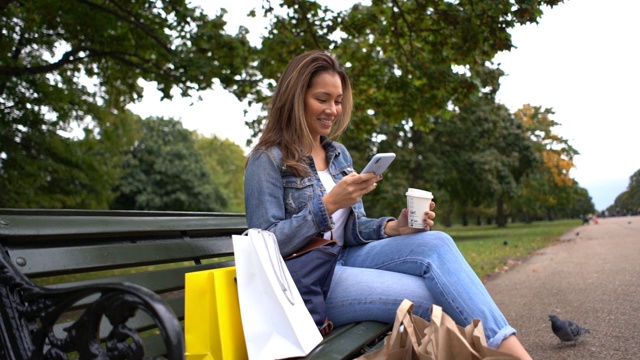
x=413 y=338
x=445 y=340
x=403 y=341
x=213 y=327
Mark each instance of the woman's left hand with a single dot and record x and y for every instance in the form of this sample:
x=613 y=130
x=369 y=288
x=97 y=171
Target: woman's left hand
x=401 y=226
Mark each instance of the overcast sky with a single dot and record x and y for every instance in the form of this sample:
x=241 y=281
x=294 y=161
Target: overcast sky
x=581 y=60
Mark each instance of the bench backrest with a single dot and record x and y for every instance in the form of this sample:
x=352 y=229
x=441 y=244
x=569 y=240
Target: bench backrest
x=72 y=248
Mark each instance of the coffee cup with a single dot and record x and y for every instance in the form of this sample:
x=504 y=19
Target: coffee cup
x=418 y=202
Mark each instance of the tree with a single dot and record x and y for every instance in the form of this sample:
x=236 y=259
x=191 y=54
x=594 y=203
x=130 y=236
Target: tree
x=409 y=60
x=628 y=202
x=549 y=188
x=482 y=153
x=76 y=64
x=225 y=162
x=49 y=170
x=410 y=63
x=166 y=172
x=474 y=160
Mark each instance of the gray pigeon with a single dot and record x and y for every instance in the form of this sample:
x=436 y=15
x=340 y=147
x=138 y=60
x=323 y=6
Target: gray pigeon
x=566 y=330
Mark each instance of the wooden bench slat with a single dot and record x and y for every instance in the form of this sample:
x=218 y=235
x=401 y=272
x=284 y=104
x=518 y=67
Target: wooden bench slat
x=37 y=261
x=70 y=226
x=158 y=281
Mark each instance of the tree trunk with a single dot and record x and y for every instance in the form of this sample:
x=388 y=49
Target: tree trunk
x=501 y=220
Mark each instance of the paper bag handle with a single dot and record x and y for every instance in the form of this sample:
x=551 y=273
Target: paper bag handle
x=404 y=326
x=277 y=264
x=439 y=318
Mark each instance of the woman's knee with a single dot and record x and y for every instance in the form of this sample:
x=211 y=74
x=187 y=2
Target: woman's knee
x=437 y=252
x=436 y=242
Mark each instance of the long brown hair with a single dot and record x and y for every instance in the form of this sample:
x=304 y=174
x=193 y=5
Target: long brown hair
x=286 y=127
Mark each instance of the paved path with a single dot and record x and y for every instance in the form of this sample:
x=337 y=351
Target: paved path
x=592 y=278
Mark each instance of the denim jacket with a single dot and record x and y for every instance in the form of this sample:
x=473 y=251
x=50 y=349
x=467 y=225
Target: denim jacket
x=291 y=207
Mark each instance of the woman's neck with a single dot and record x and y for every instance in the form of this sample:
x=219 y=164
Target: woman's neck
x=319 y=156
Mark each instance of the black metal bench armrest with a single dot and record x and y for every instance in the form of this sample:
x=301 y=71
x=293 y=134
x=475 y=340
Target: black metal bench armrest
x=31 y=313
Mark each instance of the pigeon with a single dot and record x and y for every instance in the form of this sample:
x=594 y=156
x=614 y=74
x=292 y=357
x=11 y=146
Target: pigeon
x=566 y=330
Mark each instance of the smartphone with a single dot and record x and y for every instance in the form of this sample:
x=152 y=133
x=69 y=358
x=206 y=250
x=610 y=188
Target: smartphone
x=379 y=163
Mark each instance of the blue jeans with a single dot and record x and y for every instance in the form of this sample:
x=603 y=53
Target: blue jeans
x=370 y=282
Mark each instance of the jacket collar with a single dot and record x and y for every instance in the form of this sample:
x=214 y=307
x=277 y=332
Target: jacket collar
x=331 y=150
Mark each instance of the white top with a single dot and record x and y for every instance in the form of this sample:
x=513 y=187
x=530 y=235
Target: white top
x=340 y=216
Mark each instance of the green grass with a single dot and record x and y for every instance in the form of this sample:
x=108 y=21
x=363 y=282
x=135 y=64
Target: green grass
x=484 y=246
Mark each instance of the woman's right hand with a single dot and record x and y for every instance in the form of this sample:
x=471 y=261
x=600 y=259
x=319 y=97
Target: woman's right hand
x=349 y=191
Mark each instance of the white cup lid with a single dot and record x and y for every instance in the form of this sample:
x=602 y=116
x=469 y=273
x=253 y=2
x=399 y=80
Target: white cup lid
x=419 y=193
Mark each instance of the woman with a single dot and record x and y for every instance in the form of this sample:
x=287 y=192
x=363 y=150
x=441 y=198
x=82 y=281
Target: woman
x=299 y=183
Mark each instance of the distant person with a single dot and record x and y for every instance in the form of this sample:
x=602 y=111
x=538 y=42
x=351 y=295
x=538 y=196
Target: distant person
x=585 y=219
x=300 y=183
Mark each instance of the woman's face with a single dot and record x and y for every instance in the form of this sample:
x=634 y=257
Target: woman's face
x=323 y=103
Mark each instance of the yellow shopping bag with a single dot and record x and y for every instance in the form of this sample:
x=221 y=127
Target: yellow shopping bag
x=213 y=328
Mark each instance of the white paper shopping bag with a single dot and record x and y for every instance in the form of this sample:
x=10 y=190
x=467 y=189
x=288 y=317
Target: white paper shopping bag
x=275 y=320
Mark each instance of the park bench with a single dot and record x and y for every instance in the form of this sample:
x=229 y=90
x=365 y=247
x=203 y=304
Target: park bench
x=110 y=284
